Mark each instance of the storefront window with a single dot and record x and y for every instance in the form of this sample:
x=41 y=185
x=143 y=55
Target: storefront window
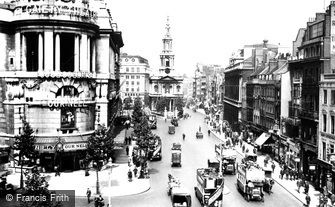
x=67 y=120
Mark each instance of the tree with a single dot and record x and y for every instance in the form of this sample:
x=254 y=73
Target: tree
x=142 y=129
x=37 y=186
x=25 y=143
x=127 y=103
x=138 y=111
x=99 y=148
x=180 y=104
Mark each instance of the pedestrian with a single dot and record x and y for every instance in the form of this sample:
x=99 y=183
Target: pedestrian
x=306 y=187
x=135 y=172
x=199 y=128
x=273 y=166
x=281 y=174
x=127 y=150
x=101 y=201
x=57 y=171
x=130 y=175
x=332 y=199
x=308 y=200
x=325 y=191
x=209 y=132
x=96 y=202
x=299 y=185
x=88 y=194
x=129 y=162
x=184 y=136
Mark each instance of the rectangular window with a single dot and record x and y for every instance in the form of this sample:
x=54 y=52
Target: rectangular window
x=127 y=69
x=127 y=89
x=132 y=90
x=132 y=70
x=138 y=70
x=138 y=82
x=332 y=97
x=127 y=76
x=332 y=126
x=132 y=83
x=137 y=77
x=127 y=82
x=132 y=77
x=324 y=151
x=325 y=122
x=325 y=96
x=138 y=89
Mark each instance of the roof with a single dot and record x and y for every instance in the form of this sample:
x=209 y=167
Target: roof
x=262 y=139
x=282 y=69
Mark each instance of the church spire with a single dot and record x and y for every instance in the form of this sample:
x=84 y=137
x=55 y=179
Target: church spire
x=167 y=27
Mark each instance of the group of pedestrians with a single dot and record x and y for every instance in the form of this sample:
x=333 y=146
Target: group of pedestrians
x=127 y=140
x=288 y=173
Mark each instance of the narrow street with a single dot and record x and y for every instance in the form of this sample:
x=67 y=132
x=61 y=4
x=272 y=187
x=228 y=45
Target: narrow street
x=195 y=153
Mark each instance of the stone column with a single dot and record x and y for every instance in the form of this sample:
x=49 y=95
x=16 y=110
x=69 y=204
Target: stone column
x=57 y=53
x=40 y=52
x=83 y=53
x=17 y=51
x=89 y=54
x=93 y=56
x=48 y=50
x=24 y=53
x=76 y=53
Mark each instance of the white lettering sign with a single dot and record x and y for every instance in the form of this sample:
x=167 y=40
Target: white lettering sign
x=65 y=75
x=66 y=103
x=55 y=9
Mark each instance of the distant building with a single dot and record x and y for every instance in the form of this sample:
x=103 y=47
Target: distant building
x=166 y=82
x=134 y=76
x=241 y=65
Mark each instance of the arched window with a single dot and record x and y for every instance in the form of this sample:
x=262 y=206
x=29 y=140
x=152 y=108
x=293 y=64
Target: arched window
x=178 y=89
x=156 y=88
x=67 y=91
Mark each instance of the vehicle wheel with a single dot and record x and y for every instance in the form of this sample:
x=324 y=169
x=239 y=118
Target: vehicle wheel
x=248 y=197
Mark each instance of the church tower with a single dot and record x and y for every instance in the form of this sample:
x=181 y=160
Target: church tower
x=167 y=55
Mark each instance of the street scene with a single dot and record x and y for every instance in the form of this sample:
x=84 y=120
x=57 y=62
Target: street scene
x=176 y=103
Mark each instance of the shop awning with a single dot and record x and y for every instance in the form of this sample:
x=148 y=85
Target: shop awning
x=262 y=139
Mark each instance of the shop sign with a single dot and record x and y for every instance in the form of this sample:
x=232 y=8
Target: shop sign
x=297 y=159
x=65 y=75
x=66 y=147
x=78 y=146
x=55 y=9
x=66 y=103
x=312 y=167
x=45 y=147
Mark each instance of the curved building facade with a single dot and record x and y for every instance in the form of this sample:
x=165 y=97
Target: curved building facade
x=60 y=73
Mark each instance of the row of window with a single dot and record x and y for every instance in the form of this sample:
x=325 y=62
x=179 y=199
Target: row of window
x=132 y=89
x=332 y=123
x=131 y=77
x=132 y=69
x=132 y=83
x=132 y=94
x=332 y=97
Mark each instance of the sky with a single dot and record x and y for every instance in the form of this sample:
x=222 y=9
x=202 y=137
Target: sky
x=208 y=32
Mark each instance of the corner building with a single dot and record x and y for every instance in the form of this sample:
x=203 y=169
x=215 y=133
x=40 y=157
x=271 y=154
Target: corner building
x=59 y=71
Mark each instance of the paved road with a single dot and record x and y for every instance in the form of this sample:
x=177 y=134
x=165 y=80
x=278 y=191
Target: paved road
x=195 y=153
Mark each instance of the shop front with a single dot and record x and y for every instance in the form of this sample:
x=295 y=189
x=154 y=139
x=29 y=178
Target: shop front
x=325 y=176
x=66 y=152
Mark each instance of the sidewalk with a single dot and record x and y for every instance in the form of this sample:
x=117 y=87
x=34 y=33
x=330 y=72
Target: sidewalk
x=113 y=181
x=288 y=185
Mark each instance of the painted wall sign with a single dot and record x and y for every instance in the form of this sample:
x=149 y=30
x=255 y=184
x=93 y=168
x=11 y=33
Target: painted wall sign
x=66 y=147
x=67 y=103
x=65 y=75
x=55 y=9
